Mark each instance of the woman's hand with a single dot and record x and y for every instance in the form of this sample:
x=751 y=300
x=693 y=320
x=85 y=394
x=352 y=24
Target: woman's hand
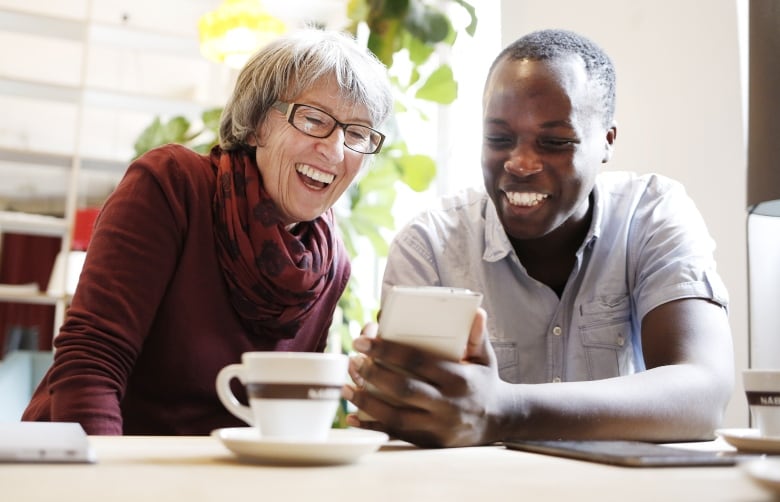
x=438 y=402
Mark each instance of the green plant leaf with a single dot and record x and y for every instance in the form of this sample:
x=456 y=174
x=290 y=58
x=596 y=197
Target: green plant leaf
x=160 y=133
x=352 y=307
x=175 y=130
x=211 y=119
x=472 y=27
x=357 y=11
x=419 y=51
x=418 y=171
x=374 y=215
x=426 y=23
x=440 y=87
x=378 y=242
x=348 y=234
x=384 y=39
x=148 y=138
x=202 y=148
x=380 y=176
x=414 y=76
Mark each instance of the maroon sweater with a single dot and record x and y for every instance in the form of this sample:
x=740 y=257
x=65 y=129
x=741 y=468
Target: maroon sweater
x=151 y=322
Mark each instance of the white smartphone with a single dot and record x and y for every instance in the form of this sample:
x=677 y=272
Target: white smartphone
x=435 y=318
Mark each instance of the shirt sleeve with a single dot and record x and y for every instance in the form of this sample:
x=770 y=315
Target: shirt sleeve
x=672 y=249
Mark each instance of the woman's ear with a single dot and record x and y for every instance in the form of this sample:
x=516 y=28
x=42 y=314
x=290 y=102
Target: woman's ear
x=609 y=143
x=256 y=138
x=251 y=139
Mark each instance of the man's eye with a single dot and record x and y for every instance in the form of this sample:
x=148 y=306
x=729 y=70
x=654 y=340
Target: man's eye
x=498 y=141
x=557 y=143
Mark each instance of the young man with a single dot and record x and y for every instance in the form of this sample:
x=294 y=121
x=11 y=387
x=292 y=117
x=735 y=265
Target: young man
x=605 y=316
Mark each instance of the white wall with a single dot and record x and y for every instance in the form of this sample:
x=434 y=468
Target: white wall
x=679 y=112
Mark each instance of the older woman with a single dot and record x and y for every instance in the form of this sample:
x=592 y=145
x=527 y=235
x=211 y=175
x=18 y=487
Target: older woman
x=196 y=259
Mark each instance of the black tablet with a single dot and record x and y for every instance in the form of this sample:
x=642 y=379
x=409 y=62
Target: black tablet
x=626 y=453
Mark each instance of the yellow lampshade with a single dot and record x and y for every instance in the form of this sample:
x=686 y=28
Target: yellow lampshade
x=238 y=28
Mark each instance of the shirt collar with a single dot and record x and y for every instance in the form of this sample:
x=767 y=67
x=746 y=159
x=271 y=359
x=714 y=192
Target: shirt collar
x=497 y=245
x=597 y=196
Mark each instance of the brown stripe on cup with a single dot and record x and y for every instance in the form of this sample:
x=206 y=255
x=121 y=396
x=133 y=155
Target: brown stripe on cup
x=293 y=391
x=763 y=398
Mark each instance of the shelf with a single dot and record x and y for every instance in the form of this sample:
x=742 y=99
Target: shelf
x=41 y=25
x=120 y=39
x=97 y=32
x=38 y=299
x=153 y=104
x=32 y=224
x=18 y=156
x=99 y=71
x=26 y=293
x=15 y=155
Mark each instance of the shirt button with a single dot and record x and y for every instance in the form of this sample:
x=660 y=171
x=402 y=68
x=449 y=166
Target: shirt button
x=557 y=331
x=621 y=341
x=557 y=380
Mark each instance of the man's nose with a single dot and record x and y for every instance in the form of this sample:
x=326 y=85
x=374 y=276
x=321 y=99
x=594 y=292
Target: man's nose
x=523 y=161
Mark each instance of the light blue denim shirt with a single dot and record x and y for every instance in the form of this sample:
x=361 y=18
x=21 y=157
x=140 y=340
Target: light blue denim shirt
x=647 y=245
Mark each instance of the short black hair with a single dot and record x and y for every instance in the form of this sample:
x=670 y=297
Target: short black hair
x=552 y=44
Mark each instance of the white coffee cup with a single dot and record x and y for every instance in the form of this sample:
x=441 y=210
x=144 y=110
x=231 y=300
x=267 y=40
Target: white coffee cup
x=292 y=395
x=762 y=389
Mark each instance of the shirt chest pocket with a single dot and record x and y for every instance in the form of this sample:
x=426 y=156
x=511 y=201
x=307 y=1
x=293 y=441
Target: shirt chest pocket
x=605 y=334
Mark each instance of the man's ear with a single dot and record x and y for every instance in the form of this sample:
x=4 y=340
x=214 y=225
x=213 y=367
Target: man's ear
x=609 y=143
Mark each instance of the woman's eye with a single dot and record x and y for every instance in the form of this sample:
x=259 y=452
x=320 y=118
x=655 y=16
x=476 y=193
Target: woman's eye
x=314 y=121
x=357 y=135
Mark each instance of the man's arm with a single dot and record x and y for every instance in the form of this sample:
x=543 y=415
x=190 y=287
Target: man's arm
x=682 y=395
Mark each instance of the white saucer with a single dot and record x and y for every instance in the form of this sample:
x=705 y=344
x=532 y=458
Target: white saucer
x=765 y=472
x=750 y=440
x=343 y=446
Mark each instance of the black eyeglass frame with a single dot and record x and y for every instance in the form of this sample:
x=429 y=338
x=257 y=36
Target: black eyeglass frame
x=288 y=110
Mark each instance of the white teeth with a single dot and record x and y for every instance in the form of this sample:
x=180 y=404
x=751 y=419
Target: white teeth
x=315 y=174
x=525 y=199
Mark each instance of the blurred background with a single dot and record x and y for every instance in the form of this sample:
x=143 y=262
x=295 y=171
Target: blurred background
x=82 y=80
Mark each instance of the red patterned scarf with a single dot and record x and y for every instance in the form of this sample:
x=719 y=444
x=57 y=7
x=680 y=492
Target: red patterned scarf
x=275 y=277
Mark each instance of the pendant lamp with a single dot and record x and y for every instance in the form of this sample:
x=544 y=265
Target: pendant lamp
x=236 y=30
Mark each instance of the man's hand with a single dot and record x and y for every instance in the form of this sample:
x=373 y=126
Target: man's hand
x=439 y=402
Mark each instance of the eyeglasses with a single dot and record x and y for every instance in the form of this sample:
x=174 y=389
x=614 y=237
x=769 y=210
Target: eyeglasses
x=317 y=123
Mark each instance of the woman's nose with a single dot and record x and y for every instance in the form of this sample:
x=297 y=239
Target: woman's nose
x=332 y=146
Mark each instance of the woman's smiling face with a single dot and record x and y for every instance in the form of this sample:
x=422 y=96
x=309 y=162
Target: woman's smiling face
x=543 y=144
x=303 y=175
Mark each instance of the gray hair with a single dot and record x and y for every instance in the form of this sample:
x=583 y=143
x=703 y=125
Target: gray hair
x=294 y=63
x=552 y=44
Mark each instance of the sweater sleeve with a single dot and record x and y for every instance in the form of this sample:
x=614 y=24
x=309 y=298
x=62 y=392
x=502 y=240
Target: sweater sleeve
x=131 y=257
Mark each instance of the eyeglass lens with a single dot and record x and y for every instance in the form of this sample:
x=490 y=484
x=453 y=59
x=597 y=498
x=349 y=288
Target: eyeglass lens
x=317 y=123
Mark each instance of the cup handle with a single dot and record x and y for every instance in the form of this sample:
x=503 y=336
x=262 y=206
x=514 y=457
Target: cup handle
x=225 y=376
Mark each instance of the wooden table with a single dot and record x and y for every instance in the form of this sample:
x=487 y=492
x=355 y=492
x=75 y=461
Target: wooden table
x=195 y=469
